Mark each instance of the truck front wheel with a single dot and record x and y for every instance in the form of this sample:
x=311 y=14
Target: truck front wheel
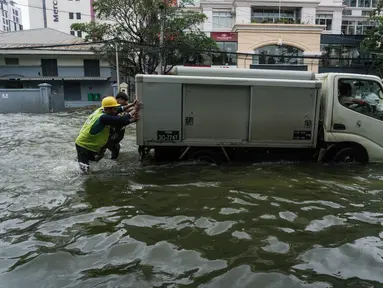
x=350 y=155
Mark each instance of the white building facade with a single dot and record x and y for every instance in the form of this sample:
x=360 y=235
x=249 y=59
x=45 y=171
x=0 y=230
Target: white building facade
x=10 y=17
x=347 y=17
x=60 y=14
x=276 y=30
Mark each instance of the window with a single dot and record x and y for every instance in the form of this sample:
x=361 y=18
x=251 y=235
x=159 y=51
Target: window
x=49 y=67
x=361 y=3
x=91 y=68
x=278 y=54
x=356 y=27
x=72 y=32
x=225 y=59
x=338 y=55
x=347 y=12
x=79 y=34
x=274 y=15
x=349 y=3
x=78 y=15
x=11 y=61
x=363 y=96
x=364 y=3
x=222 y=20
x=324 y=19
x=71 y=15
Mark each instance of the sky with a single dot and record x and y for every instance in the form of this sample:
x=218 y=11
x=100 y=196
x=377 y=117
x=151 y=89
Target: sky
x=23 y=4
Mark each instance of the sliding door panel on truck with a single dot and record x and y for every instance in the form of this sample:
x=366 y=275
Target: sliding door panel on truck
x=161 y=113
x=283 y=115
x=216 y=114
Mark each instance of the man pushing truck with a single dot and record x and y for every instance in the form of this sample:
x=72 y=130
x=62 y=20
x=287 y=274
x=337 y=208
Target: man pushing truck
x=95 y=132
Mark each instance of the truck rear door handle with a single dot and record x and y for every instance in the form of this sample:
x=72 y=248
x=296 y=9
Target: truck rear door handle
x=339 y=126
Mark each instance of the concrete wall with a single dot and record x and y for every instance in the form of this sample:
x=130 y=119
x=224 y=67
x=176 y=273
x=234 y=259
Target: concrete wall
x=30 y=100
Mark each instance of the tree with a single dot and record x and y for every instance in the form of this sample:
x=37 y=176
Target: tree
x=135 y=25
x=373 y=40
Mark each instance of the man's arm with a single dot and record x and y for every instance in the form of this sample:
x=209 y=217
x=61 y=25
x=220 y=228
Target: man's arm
x=128 y=108
x=116 y=120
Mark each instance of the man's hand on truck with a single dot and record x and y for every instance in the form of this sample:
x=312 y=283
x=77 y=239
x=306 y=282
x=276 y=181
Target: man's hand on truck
x=134 y=116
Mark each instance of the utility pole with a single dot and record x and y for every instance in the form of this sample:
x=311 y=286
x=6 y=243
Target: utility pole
x=117 y=68
x=162 y=24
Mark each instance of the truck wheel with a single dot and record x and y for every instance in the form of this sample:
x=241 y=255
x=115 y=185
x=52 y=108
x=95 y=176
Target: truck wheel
x=207 y=156
x=350 y=155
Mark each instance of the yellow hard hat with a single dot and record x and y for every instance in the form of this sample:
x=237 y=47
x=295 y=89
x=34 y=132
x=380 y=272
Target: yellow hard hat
x=109 y=102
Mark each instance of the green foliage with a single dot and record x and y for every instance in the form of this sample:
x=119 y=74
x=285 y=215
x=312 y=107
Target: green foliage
x=136 y=25
x=373 y=41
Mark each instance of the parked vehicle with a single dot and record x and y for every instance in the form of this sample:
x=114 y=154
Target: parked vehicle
x=221 y=115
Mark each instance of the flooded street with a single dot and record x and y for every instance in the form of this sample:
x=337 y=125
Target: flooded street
x=181 y=225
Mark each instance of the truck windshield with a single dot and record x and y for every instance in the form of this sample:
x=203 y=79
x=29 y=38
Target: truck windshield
x=353 y=90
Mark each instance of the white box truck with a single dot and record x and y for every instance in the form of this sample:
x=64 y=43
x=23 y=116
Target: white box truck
x=221 y=115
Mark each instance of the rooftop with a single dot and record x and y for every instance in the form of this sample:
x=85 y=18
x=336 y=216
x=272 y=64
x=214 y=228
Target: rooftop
x=41 y=37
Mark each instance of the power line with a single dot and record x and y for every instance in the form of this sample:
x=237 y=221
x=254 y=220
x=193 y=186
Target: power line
x=175 y=48
x=221 y=26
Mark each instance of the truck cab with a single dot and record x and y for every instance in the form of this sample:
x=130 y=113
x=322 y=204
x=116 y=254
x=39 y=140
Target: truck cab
x=351 y=117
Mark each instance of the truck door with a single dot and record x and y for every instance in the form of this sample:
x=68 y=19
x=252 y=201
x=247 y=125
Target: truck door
x=358 y=112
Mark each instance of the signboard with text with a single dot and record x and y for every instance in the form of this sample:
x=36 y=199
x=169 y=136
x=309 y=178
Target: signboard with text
x=224 y=36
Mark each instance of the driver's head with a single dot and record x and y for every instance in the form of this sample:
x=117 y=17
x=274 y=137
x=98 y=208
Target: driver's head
x=345 y=89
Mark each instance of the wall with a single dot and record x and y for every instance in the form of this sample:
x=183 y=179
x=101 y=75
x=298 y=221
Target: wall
x=36 y=14
x=308 y=15
x=63 y=22
x=208 y=24
x=102 y=87
x=243 y=15
x=30 y=100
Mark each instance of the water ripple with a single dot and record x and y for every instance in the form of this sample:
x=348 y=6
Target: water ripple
x=179 y=225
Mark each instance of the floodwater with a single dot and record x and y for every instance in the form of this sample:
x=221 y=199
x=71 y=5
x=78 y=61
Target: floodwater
x=181 y=225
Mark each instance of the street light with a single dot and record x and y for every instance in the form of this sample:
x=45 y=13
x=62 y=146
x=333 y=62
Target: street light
x=162 y=22
x=117 y=67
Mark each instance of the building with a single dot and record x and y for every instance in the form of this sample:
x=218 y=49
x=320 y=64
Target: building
x=10 y=16
x=72 y=70
x=60 y=14
x=285 y=33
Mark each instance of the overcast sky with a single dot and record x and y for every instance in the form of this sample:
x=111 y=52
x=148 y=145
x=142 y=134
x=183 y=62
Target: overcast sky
x=23 y=4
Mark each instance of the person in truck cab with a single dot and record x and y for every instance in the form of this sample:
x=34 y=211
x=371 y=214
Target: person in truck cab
x=94 y=134
x=346 y=99
x=117 y=133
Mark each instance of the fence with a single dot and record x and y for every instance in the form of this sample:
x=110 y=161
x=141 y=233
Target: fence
x=39 y=100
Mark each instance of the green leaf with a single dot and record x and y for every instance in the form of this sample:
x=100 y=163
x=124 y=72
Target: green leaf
x=136 y=24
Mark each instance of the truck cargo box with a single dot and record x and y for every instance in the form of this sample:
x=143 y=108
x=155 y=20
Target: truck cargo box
x=228 y=111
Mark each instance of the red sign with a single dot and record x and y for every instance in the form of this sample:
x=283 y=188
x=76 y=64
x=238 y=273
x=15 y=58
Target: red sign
x=167 y=37
x=224 y=36
x=172 y=3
